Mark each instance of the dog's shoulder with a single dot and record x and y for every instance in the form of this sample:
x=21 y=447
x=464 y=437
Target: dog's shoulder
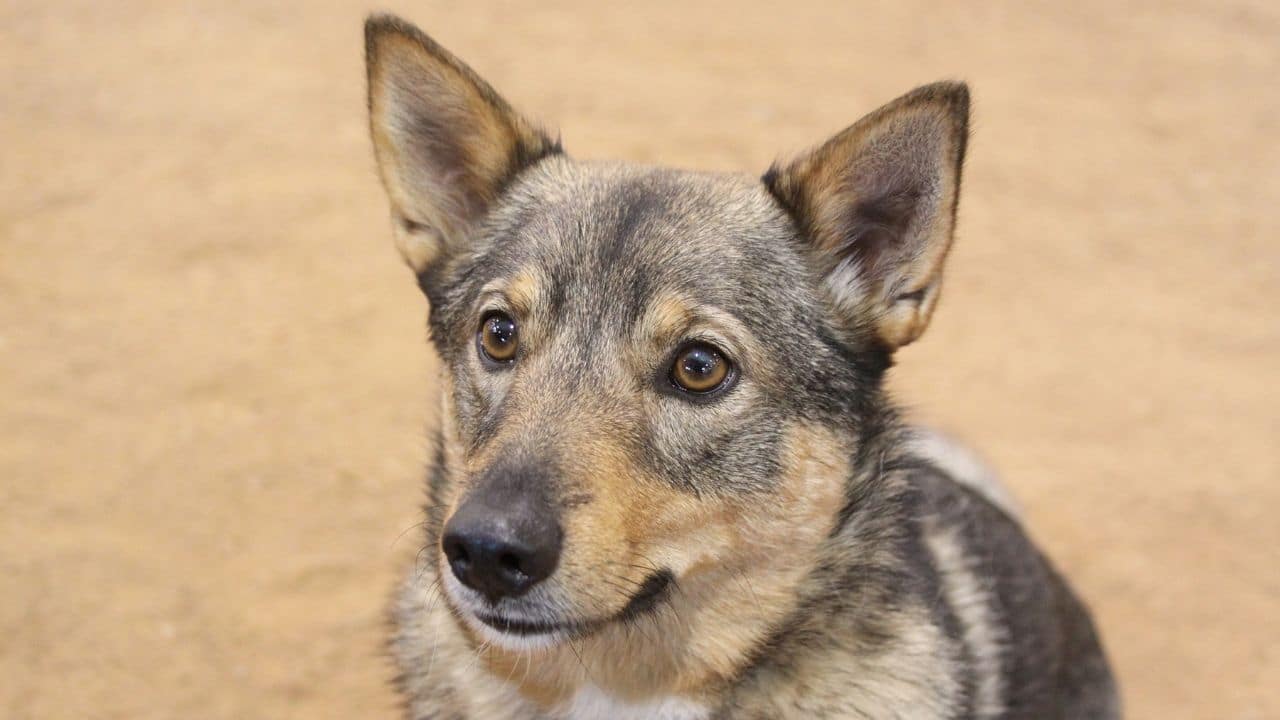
x=932 y=590
x=1025 y=634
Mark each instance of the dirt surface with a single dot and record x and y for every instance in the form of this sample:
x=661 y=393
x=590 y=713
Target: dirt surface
x=214 y=380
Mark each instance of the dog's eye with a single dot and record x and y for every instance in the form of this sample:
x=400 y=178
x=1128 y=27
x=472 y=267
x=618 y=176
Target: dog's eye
x=499 y=337
x=700 y=369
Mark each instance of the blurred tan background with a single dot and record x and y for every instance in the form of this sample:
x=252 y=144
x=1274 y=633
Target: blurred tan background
x=214 y=380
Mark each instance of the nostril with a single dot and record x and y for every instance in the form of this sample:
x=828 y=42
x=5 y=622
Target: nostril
x=511 y=563
x=456 y=551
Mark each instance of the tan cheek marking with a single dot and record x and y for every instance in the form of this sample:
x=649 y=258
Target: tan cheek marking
x=743 y=560
x=775 y=546
x=799 y=513
x=774 y=541
x=634 y=513
x=739 y=562
x=597 y=566
x=678 y=530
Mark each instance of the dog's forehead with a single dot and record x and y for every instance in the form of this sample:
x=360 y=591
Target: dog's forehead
x=619 y=235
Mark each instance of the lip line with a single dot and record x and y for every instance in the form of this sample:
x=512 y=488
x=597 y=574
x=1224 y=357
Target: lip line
x=529 y=629
x=645 y=600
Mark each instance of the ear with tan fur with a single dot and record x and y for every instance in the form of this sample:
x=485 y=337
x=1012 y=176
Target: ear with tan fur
x=877 y=203
x=446 y=143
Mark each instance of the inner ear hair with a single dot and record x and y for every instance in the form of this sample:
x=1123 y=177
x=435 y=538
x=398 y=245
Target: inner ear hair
x=446 y=143
x=876 y=207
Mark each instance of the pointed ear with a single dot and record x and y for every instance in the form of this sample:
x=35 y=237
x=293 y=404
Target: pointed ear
x=877 y=204
x=445 y=142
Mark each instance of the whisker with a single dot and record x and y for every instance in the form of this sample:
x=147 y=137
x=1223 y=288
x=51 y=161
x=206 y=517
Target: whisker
x=405 y=532
x=477 y=653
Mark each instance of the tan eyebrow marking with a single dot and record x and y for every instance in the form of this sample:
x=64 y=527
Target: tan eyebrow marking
x=520 y=292
x=672 y=316
x=668 y=317
x=523 y=290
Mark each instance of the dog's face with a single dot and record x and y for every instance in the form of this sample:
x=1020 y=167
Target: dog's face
x=635 y=361
x=652 y=379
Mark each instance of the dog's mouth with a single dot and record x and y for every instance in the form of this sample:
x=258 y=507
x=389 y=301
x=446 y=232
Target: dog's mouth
x=650 y=593
x=523 y=628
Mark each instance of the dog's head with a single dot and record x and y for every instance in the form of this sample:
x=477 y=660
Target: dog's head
x=653 y=379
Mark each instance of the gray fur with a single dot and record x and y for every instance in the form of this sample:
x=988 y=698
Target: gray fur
x=921 y=597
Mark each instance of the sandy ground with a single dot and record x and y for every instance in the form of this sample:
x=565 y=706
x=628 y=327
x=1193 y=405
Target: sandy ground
x=214 y=381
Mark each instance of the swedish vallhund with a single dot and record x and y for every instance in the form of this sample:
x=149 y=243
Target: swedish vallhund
x=667 y=480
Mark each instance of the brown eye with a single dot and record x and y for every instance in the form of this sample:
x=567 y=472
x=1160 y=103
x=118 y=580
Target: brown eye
x=700 y=368
x=499 y=337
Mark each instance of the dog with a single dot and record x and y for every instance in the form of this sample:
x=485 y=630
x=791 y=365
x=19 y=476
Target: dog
x=667 y=480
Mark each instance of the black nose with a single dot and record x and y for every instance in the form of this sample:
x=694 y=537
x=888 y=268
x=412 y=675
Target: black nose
x=501 y=552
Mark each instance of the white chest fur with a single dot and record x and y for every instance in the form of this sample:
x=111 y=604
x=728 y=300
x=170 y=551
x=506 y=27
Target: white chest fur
x=592 y=703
